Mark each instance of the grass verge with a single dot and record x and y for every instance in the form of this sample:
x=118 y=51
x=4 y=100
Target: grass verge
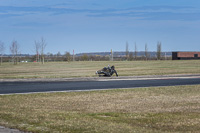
x=88 y=68
x=160 y=109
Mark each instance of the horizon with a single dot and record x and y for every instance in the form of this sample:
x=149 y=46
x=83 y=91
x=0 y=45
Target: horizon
x=98 y=52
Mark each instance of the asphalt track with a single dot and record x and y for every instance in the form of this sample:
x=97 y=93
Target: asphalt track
x=18 y=87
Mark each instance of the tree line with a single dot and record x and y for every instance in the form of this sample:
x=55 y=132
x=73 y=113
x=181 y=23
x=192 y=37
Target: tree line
x=40 y=56
x=134 y=55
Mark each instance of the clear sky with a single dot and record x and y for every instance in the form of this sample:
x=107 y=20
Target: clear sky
x=101 y=25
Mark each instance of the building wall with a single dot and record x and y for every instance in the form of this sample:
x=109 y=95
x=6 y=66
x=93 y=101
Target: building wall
x=185 y=55
x=188 y=54
x=174 y=55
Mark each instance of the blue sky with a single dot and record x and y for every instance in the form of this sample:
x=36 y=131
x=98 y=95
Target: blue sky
x=101 y=25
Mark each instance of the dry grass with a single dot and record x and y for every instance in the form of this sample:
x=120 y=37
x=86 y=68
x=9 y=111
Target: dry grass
x=87 y=69
x=162 y=109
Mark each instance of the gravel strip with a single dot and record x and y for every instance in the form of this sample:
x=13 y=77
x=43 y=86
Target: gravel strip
x=10 y=130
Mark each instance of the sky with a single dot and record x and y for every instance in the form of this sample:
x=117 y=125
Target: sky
x=100 y=25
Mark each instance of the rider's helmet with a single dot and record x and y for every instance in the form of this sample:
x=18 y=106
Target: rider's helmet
x=112 y=67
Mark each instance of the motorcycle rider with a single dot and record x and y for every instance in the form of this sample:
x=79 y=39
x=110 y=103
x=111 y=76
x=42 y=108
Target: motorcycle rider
x=107 y=71
x=113 y=71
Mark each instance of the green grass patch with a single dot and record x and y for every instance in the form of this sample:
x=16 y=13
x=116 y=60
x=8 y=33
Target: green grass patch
x=156 y=109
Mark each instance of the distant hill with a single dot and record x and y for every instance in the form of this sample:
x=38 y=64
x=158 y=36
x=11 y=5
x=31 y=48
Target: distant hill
x=115 y=54
x=123 y=54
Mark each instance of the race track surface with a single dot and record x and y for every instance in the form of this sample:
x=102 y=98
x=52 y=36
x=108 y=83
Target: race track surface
x=13 y=87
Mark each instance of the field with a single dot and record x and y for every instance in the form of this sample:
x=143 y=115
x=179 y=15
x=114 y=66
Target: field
x=156 y=109
x=88 y=69
x=159 y=109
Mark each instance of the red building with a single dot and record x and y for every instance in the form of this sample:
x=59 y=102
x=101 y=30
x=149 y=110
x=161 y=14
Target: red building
x=185 y=55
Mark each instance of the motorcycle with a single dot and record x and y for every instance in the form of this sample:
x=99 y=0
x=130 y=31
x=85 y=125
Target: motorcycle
x=107 y=71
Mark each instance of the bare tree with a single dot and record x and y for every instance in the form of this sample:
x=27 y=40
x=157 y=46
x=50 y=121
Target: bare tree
x=43 y=45
x=159 y=50
x=130 y=58
x=58 y=54
x=68 y=56
x=14 y=49
x=37 y=50
x=135 y=53
x=84 y=57
x=127 y=51
x=2 y=49
x=146 y=52
x=73 y=57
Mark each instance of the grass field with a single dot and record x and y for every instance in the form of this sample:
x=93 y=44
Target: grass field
x=161 y=109
x=88 y=69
